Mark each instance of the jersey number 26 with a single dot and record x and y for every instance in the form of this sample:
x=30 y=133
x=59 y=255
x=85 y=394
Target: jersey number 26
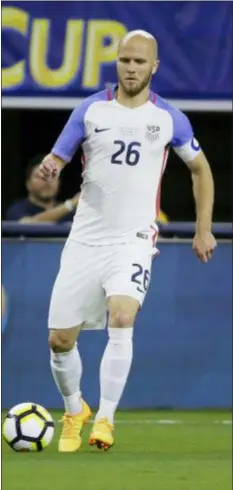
x=131 y=154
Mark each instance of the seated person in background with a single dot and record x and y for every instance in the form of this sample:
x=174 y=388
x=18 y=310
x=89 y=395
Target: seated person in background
x=41 y=205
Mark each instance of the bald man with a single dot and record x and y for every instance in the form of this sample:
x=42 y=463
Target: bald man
x=126 y=133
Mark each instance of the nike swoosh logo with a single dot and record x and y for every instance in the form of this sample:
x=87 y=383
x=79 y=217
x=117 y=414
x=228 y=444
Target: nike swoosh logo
x=100 y=130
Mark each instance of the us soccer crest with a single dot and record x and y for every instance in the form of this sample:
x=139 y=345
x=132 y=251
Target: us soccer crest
x=152 y=133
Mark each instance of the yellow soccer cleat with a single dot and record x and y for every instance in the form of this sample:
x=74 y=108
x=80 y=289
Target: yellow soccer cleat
x=70 y=440
x=101 y=434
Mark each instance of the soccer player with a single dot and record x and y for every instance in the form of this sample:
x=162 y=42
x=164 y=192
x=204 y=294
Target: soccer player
x=125 y=133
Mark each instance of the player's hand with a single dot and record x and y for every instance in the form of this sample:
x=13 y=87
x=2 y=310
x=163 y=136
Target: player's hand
x=49 y=169
x=204 y=244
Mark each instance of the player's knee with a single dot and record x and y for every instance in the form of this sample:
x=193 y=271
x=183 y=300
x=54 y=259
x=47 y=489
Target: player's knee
x=60 y=341
x=120 y=319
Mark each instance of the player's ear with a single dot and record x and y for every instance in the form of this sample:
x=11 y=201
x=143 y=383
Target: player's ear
x=155 y=67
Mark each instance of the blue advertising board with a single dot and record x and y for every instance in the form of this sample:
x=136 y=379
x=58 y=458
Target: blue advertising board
x=183 y=334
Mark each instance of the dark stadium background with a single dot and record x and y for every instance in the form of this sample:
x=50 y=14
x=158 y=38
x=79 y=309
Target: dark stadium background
x=28 y=132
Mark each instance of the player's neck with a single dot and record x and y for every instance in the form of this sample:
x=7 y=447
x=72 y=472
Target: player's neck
x=134 y=101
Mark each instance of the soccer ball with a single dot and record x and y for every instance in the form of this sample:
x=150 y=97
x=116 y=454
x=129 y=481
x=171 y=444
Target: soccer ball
x=28 y=427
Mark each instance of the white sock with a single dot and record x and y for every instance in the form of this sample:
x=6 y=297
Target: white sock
x=67 y=370
x=114 y=370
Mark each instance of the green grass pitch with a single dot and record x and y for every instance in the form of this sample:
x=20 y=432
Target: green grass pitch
x=153 y=451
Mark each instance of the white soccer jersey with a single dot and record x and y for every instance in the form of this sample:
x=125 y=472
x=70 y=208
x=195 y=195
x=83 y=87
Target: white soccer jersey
x=125 y=153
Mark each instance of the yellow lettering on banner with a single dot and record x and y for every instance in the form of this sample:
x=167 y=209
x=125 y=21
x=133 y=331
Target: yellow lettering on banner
x=96 y=52
x=18 y=20
x=63 y=75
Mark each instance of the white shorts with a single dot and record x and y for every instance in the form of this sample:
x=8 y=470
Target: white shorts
x=89 y=275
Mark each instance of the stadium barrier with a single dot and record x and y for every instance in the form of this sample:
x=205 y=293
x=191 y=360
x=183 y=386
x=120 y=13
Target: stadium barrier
x=43 y=230
x=183 y=333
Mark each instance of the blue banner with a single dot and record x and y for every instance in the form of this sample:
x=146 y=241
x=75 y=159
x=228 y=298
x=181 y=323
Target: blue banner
x=183 y=334
x=69 y=48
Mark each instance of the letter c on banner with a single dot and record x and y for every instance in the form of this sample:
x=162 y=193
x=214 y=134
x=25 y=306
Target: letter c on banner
x=18 y=20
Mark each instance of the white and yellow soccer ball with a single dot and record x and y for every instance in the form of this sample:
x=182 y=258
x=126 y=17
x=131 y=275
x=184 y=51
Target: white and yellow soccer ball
x=28 y=427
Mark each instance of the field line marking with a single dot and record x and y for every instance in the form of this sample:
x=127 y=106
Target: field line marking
x=165 y=422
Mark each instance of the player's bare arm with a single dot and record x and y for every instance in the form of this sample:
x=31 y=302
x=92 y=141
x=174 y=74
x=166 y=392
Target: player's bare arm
x=204 y=242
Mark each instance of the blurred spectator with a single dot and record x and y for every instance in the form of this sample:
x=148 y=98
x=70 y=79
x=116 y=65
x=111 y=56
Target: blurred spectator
x=41 y=204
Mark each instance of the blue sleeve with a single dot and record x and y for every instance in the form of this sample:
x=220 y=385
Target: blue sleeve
x=182 y=129
x=15 y=212
x=71 y=136
x=73 y=133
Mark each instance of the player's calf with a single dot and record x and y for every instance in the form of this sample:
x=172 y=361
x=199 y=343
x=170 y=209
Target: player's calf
x=66 y=366
x=115 y=367
x=114 y=371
